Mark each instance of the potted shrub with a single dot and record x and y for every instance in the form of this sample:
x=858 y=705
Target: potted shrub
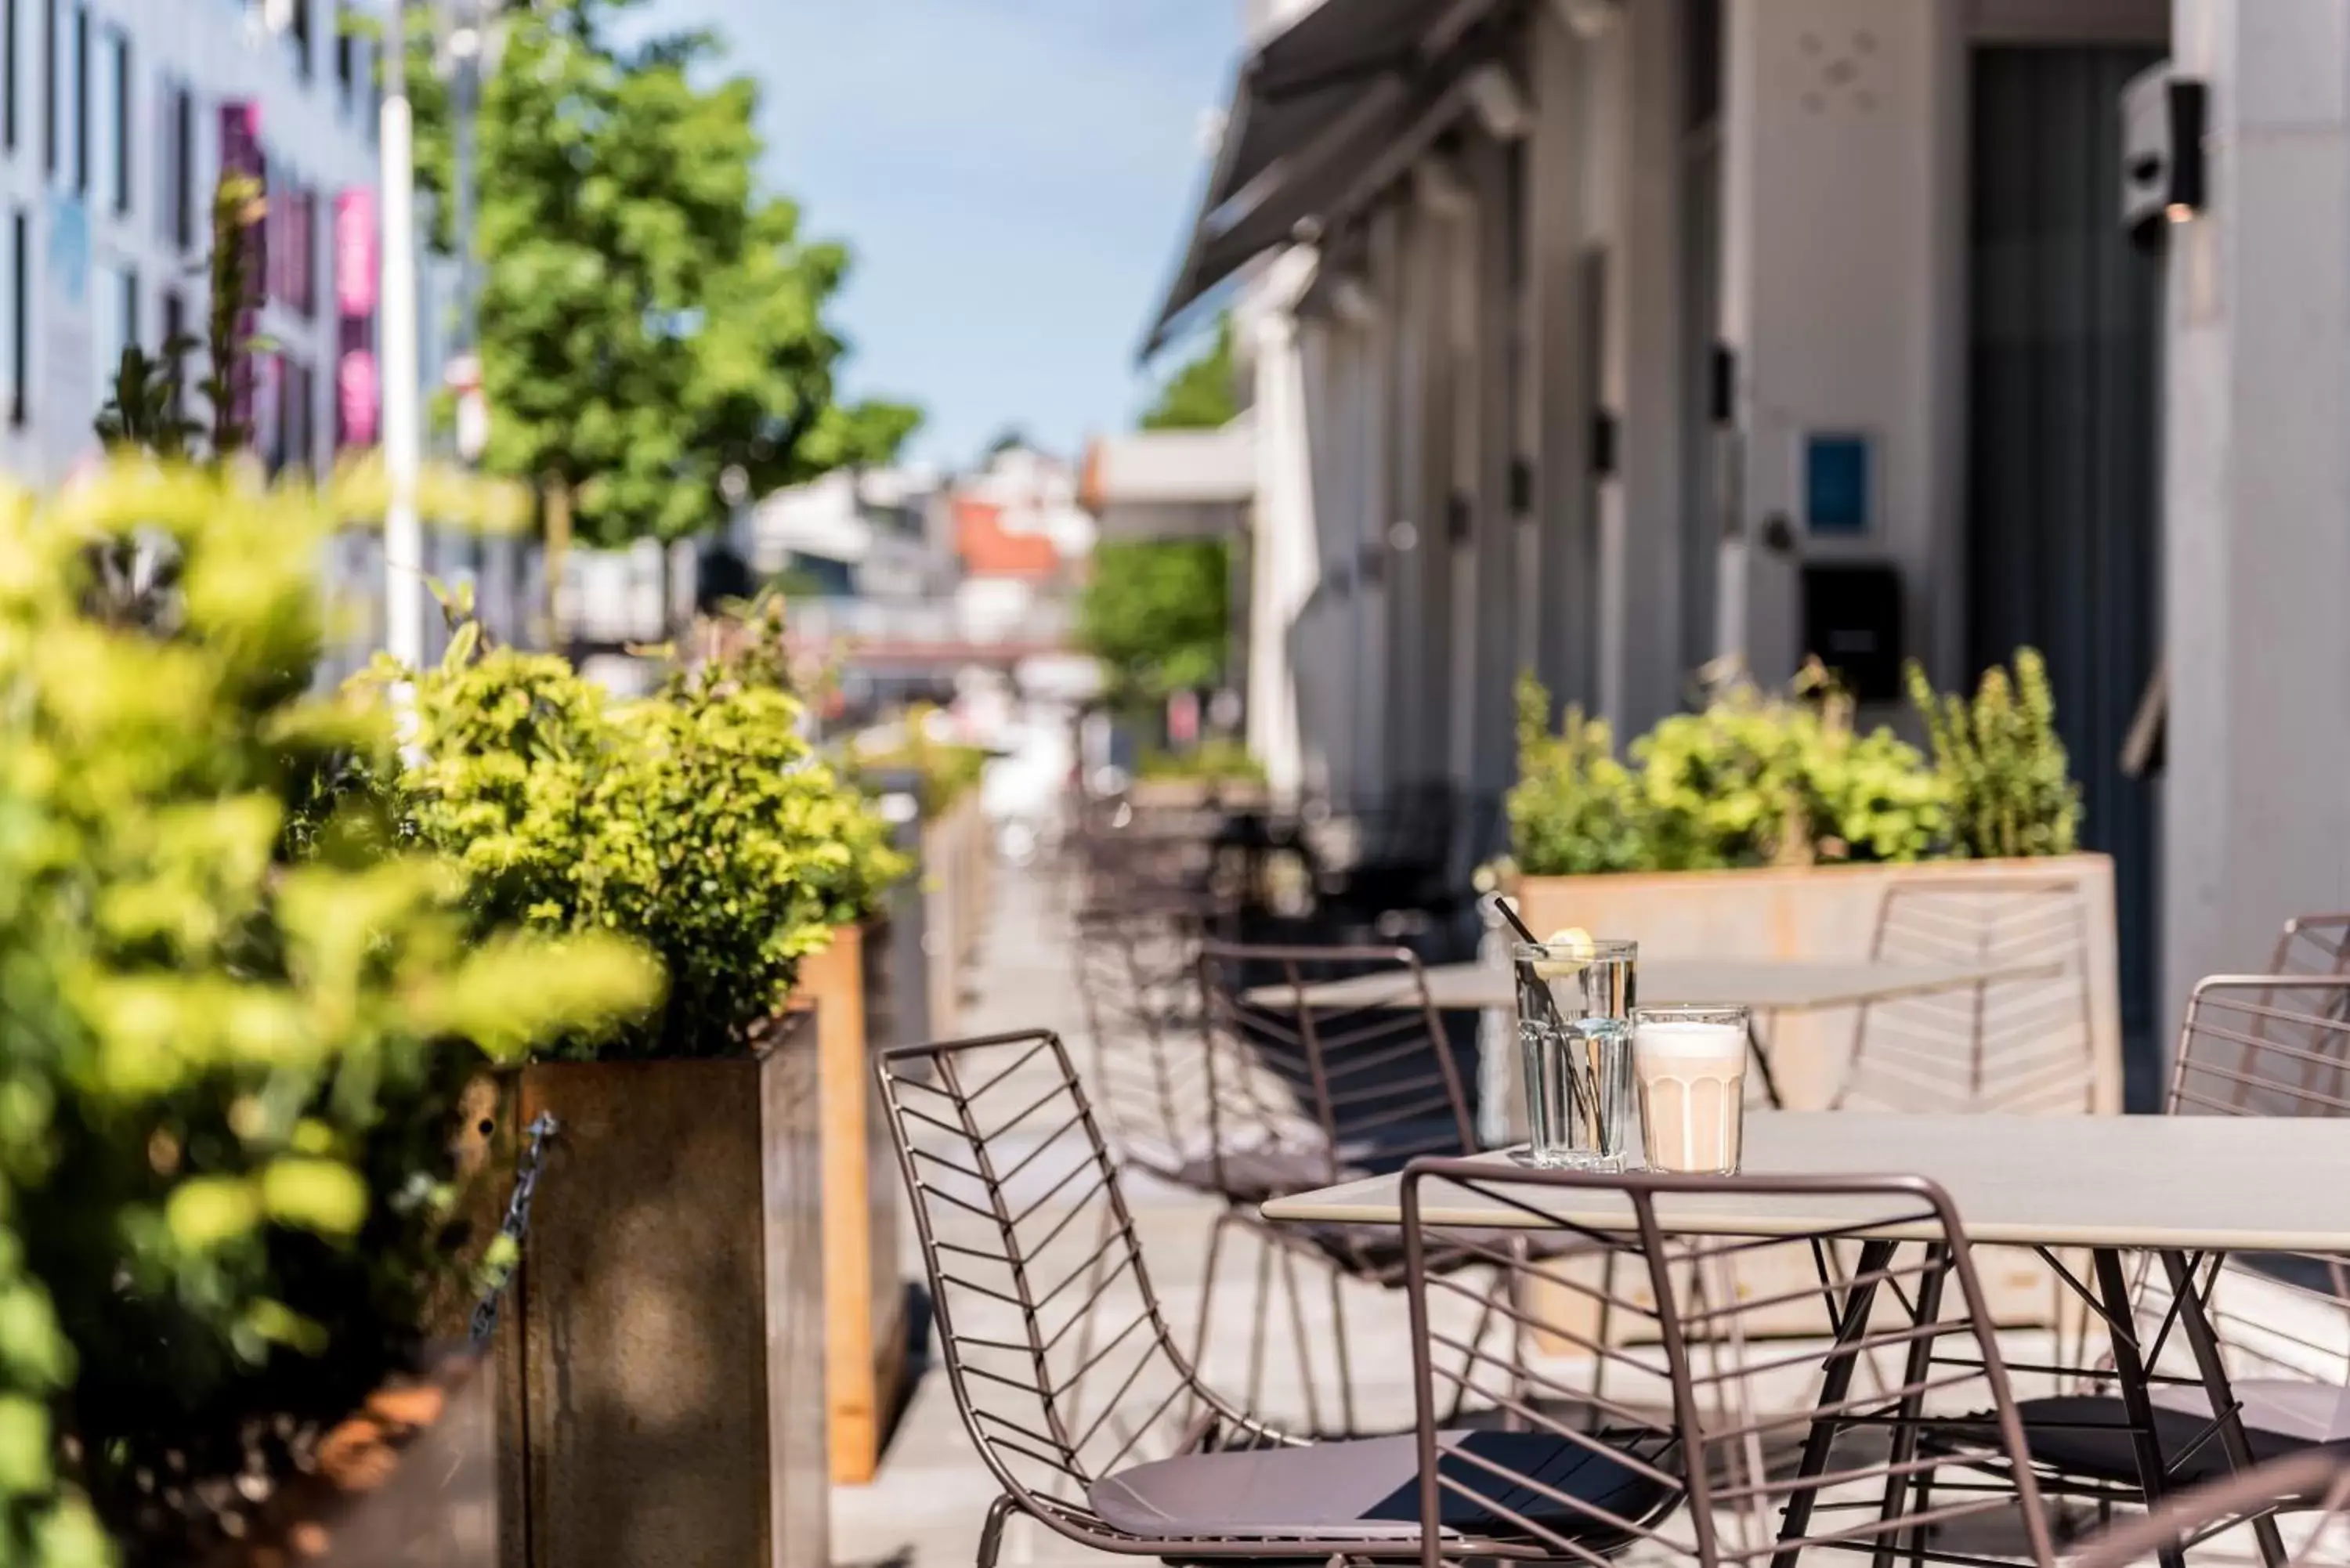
x=239 y=1009
x=944 y=777
x=700 y=822
x=1768 y=826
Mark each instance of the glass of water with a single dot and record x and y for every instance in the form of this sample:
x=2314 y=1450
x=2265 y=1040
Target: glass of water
x=1574 y=1036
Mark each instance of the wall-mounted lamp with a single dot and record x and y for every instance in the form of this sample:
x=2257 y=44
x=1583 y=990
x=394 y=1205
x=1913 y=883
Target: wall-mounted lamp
x=1500 y=104
x=1588 y=18
x=2164 y=117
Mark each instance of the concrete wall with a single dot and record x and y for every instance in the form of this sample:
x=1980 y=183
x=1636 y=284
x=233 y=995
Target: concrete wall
x=2257 y=492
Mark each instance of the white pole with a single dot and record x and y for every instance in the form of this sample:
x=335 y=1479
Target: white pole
x=404 y=534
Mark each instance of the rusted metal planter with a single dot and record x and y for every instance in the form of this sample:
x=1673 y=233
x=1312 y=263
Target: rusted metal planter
x=661 y=1355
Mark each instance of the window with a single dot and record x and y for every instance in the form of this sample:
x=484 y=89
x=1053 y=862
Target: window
x=20 y=317
x=179 y=161
x=80 y=90
x=118 y=118
x=298 y=38
x=347 y=77
x=10 y=89
x=49 y=44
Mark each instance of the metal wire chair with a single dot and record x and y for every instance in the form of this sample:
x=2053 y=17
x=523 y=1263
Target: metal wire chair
x=1743 y=1448
x=2314 y=1486
x=1306 y=1095
x=2279 y=1322
x=1061 y=1362
x=2021 y=1045
x=2312 y=944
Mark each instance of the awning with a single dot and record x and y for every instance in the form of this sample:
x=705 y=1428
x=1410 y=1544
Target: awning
x=1172 y=484
x=1319 y=111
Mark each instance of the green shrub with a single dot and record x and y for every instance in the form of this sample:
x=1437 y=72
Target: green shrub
x=237 y=1013
x=946 y=771
x=2001 y=763
x=1758 y=779
x=698 y=822
x=1574 y=810
x=1216 y=760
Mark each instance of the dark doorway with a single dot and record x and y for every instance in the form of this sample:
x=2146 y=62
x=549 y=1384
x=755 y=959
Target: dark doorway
x=2063 y=528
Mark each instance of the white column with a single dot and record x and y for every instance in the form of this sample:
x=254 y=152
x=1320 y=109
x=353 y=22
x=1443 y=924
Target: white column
x=1284 y=553
x=1640 y=541
x=2256 y=809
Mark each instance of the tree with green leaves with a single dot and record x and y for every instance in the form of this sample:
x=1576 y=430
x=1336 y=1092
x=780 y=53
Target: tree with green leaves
x=1199 y=394
x=1157 y=613
x=652 y=318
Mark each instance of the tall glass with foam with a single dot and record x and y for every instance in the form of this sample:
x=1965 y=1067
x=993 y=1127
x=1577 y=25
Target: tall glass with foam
x=1689 y=1065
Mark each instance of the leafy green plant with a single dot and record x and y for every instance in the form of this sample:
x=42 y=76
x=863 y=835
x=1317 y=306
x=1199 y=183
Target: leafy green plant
x=236 y=1010
x=1575 y=808
x=946 y=771
x=1217 y=759
x=698 y=822
x=1752 y=779
x=2000 y=763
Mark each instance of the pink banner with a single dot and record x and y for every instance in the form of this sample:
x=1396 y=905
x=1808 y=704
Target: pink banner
x=356 y=253
x=358 y=397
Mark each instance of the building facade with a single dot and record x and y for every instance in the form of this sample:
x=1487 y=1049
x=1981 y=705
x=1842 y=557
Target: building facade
x=1609 y=338
x=116 y=116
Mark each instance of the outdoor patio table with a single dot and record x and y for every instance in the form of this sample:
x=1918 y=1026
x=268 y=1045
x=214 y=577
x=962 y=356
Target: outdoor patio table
x=2185 y=1188
x=1768 y=986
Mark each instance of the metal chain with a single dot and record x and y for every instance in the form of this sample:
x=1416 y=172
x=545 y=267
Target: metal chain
x=515 y=1227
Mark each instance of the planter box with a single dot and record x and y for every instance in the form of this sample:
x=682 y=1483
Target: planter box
x=1832 y=912
x=660 y=1357
x=864 y=1334
x=1823 y=912
x=956 y=858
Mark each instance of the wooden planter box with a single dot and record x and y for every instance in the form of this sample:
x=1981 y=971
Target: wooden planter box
x=1831 y=912
x=865 y=1338
x=956 y=859
x=661 y=1354
x=1821 y=912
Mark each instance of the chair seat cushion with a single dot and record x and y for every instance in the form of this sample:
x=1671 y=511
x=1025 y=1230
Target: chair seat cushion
x=1368 y=1488
x=2089 y=1435
x=1258 y=1175
x=1375 y=1252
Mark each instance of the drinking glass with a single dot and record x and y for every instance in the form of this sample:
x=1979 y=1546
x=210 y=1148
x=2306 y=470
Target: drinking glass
x=1574 y=1002
x=1690 y=1063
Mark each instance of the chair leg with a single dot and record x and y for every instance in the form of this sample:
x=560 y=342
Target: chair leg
x=1304 y=1342
x=1224 y=1218
x=990 y=1531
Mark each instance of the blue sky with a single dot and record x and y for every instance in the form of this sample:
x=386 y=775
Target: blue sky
x=1013 y=177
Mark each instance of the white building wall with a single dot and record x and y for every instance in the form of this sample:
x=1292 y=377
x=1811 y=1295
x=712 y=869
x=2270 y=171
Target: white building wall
x=2256 y=822
x=312 y=132
x=1844 y=242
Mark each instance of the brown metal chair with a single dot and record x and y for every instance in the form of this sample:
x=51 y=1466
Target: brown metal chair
x=2019 y=1045
x=2316 y=1487
x=2279 y=1323
x=2312 y=944
x=1026 y=1236
x=1306 y=1095
x=1742 y=1448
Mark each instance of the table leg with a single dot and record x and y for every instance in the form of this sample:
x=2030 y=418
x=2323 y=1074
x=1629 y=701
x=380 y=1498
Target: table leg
x=1834 y=1387
x=2212 y=1366
x=1762 y=1053
x=1918 y=1367
x=2129 y=1372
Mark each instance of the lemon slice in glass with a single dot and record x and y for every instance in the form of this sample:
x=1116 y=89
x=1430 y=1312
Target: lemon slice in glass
x=1579 y=950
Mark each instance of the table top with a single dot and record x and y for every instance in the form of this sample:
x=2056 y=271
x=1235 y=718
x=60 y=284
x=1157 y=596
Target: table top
x=1792 y=985
x=2242 y=1184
